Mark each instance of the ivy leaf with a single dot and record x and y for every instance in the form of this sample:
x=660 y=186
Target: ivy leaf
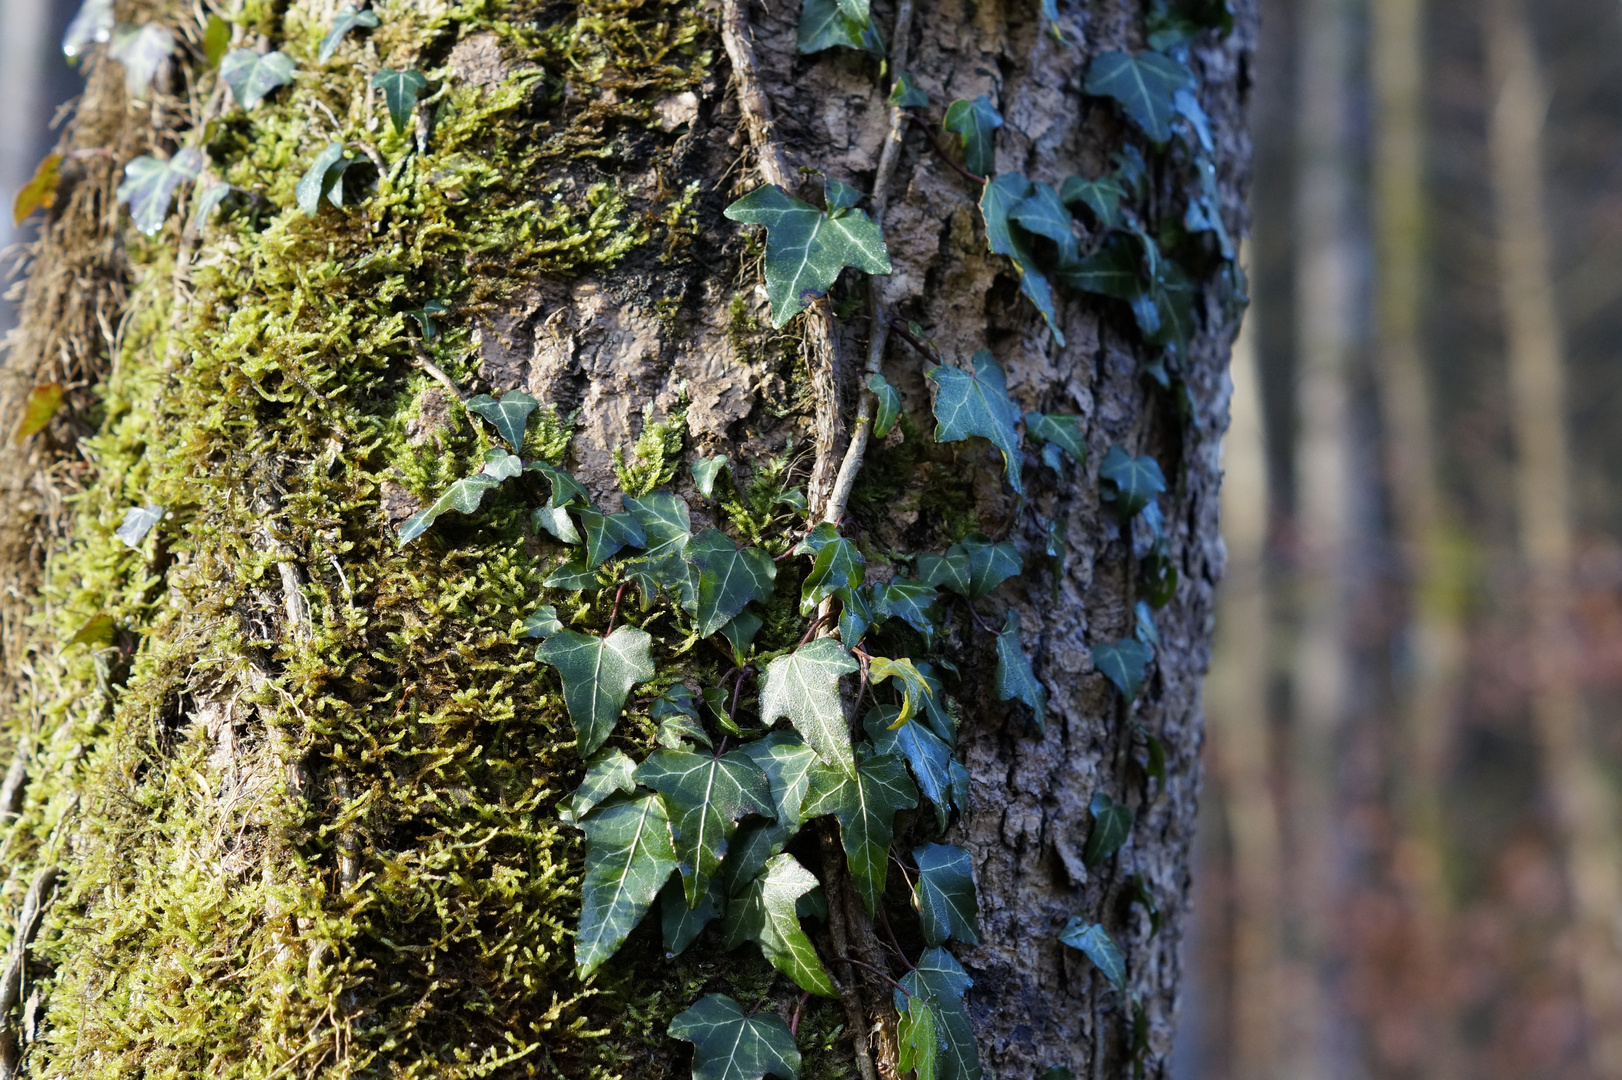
x=149 y=186
x=913 y=602
x=705 y=473
x=740 y=634
x=1043 y=214
x=347 y=19
x=929 y=758
x=765 y=912
x=804 y=686
x=1094 y=941
x=940 y=720
x=976 y=122
x=944 y=895
x=977 y=404
x=138 y=521
x=1145 y=630
x=666 y=527
x=556 y=520
x=1204 y=212
x=325 y=176
x=500 y=464
x=806 y=248
x=730 y=1045
x=905 y=93
x=628 y=858
x=1015 y=679
x=889 y=404
x=597 y=675
x=728 y=578
x=1004 y=237
x=423 y=315
x=1129 y=483
x=865 y=800
x=1187 y=105
x=463 y=496
x=827 y=23
x=142 y=51
x=913 y=688
x=544 y=623
x=1113 y=270
x=1123 y=664
x=40 y=191
x=787 y=763
x=677 y=717
x=941 y=982
x=608 y=773
x=1172 y=294
x=855 y=614
x=510 y=415
x=606 y=534
x=838 y=195
x=1144 y=84
x=1112 y=824
x=1050 y=12
x=573 y=577
x=43 y=402
x=704 y=795
x=1102 y=196
x=565 y=488
x=919 y=1041
x=972 y=567
x=400 y=90
x=680 y=924
x=839 y=565
x=216 y=39
x=1060 y=431
x=252 y=75
x=206 y=204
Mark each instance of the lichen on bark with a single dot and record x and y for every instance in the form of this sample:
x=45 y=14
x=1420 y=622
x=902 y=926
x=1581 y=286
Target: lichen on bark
x=305 y=797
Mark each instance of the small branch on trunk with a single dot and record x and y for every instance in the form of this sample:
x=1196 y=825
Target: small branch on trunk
x=422 y=360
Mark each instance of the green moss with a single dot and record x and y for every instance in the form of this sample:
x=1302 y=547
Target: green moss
x=656 y=456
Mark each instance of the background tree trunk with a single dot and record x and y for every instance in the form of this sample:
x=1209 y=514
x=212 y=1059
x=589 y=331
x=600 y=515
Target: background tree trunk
x=302 y=785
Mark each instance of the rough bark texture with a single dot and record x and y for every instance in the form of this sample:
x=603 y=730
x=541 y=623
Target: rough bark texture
x=304 y=800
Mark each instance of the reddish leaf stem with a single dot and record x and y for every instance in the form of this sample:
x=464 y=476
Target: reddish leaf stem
x=941 y=150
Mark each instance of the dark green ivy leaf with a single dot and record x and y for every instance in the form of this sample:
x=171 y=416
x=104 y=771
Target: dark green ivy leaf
x=677 y=717
x=1187 y=104
x=704 y=796
x=977 y=122
x=1094 y=941
x=728 y=578
x=827 y=23
x=149 y=186
x=1123 y=664
x=766 y=913
x=1129 y=483
x=865 y=800
x=1146 y=630
x=926 y=755
x=806 y=248
x=501 y=465
x=977 y=403
x=544 y=623
x=608 y=773
x=905 y=93
x=941 y=982
x=804 y=686
x=1042 y=214
x=1102 y=196
x=705 y=473
x=597 y=674
x=1059 y=430
x=464 y=496
x=913 y=602
x=628 y=858
x=1144 y=85
x=740 y=634
x=251 y=75
x=839 y=565
x=347 y=19
x=972 y=567
x=424 y=315
x=1112 y=824
x=325 y=176
x=1015 y=679
x=838 y=195
x=731 y=1045
x=944 y=895
x=400 y=90
x=889 y=404
x=510 y=415
x=1113 y=270
x=573 y=577
x=680 y=924
x=666 y=528
x=606 y=534
x=787 y=763
x=1005 y=237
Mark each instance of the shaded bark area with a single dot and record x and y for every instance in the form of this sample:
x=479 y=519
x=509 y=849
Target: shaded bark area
x=672 y=326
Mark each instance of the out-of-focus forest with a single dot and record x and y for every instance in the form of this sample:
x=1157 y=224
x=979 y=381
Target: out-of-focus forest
x=1411 y=838
x=1411 y=847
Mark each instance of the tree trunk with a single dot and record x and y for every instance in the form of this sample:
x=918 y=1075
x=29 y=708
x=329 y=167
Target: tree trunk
x=301 y=782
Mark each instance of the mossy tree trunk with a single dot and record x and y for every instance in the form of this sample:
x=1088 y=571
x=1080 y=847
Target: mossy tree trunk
x=299 y=785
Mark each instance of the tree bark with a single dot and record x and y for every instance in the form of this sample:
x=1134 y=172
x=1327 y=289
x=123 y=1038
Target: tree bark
x=303 y=790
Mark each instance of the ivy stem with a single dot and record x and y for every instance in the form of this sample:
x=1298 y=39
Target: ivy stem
x=737 y=691
x=812 y=629
x=619 y=594
x=910 y=338
x=978 y=621
x=941 y=150
x=794 y=1024
x=884 y=918
x=870 y=968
